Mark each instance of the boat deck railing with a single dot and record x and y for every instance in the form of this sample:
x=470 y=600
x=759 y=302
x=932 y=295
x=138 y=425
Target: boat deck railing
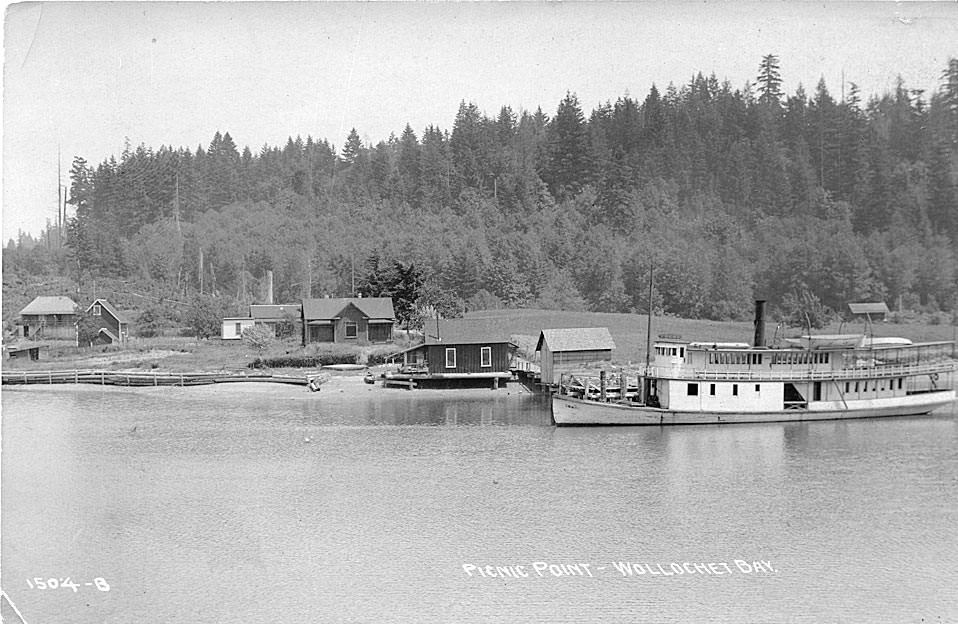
x=870 y=372
x=592 y=382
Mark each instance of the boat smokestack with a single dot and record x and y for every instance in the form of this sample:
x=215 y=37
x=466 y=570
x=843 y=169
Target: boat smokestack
x=759 y=340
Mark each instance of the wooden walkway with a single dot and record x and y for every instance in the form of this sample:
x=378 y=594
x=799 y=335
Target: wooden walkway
x=114 y=378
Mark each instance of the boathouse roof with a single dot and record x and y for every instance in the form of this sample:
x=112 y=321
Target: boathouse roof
x=50 y=305
x=465 y=331
x=372 y=307
x=576 y=339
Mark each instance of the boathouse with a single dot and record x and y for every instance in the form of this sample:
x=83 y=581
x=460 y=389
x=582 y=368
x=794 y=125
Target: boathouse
x=114 y=326
x=459 y=353
x=49 y=317
x=571 y=350
x=359 y=320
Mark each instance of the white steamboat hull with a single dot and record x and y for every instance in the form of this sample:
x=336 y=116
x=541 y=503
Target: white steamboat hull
x=571 y=411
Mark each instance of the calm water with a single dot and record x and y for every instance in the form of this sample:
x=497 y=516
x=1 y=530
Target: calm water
x=230 y=505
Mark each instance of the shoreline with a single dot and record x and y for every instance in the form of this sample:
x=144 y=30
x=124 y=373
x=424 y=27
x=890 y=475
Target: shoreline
x=340 y=386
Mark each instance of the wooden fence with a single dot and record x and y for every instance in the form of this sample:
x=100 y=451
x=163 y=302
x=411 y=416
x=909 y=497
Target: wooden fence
x=114 y=378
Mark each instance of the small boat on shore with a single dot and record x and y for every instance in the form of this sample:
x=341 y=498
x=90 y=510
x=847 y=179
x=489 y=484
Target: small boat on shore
x=812 y=378
x=345 y=367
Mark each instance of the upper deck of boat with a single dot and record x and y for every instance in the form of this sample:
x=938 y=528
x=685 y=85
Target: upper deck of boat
x=816 y=357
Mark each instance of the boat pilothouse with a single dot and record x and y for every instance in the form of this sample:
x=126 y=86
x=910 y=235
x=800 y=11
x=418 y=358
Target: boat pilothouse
x=811 y=377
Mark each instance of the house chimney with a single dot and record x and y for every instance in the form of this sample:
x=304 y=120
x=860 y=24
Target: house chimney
x=269 y=286
x=759 y=340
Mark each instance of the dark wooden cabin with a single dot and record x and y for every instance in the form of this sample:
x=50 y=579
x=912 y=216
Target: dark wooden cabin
x=461 y=353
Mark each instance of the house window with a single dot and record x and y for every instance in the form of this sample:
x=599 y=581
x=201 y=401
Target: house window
x=96 y=309
x=693 y=389
x=450 y=358
x=351 y=329
x=485 y=357
x=239 y=329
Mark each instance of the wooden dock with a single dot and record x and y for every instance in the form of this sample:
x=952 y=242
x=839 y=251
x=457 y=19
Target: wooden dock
x=143 y=379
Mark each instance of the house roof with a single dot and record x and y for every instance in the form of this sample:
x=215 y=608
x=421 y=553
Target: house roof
x=576 y=339
x=372 y=307
x=464 y=331
x=269 y=311
x=119 y=316
x=50 y=305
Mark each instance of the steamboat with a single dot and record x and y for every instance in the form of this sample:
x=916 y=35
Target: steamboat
x=821 y=377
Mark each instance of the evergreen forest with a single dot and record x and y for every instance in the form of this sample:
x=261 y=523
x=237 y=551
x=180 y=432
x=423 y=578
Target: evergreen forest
x=809 y=200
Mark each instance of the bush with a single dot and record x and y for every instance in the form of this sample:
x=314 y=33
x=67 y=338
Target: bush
x=258 y=337
x=304 y=361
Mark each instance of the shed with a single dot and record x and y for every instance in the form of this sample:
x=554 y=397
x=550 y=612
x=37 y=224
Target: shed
x=233 y=327
x=568 y=350
x=29 y=350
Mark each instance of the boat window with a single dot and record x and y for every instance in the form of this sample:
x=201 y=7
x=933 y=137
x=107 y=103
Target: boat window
x=712 y=389
x=899 y=383
x=846 y=386
x=734 y=389
x=856 y=386
x=682 y=352
x=693 y=389
x=758 y=388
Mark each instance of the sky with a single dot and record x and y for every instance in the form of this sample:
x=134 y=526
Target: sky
x=83 y=78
